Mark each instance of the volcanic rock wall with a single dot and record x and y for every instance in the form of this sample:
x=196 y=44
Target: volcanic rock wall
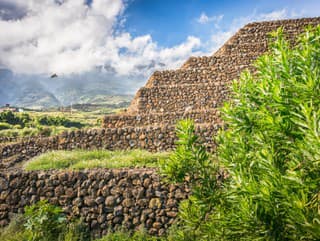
x=105 y=199
x=202 y=83
x=149 y=138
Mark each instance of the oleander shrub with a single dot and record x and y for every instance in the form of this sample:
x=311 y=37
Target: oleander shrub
x=270 y=151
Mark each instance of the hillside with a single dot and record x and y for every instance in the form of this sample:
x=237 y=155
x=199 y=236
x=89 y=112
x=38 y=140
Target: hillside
x=41 y=93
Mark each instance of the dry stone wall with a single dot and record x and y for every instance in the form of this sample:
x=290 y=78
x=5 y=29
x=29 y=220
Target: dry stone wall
x=105 y=199
x=157 y=119
x=190 y=97
x=4 y=139
x=158 y=138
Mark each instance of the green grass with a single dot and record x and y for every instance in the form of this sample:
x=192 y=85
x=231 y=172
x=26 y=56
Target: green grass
x=81 y=159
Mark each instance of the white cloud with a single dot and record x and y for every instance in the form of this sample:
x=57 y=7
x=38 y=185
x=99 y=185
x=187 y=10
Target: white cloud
x=204 y=19
x=220 y=37
x=275 y=15
x=69 y=36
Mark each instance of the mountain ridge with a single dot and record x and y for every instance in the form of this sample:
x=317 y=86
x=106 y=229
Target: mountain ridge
x=41 y=93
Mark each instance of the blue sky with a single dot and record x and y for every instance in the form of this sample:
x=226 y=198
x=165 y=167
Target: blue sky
x=124 y=39
x=170 y=22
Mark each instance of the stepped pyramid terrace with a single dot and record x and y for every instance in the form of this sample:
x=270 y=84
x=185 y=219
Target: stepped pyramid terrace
x=202 y=84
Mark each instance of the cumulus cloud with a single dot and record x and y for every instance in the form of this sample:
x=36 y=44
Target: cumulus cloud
x=69 y=36
x=204 y=19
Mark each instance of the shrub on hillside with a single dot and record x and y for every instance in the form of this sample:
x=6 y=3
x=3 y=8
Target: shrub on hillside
x=4 y=126
x=58 y=121
x=14 y=119
x=272 y=147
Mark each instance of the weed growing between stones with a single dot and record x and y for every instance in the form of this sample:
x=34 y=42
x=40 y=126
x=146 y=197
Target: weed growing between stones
x=44 y=222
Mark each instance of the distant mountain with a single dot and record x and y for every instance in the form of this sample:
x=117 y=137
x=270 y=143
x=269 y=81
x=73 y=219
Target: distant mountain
x=41 y=92
x=35 y=96
x=8 y=88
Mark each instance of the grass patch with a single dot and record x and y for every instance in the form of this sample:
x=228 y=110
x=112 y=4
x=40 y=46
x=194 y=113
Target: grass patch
x=82 y=159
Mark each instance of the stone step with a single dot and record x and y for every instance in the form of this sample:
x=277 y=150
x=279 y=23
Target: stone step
x=263 y=36
x=288 y=24
x=180 y=98
x=258 y=32
x=251 y=49
x=215 y=63
x=218 y=69
x=168 y=118
x=153 y=138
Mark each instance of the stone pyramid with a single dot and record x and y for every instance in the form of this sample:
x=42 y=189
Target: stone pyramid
x=202 y=83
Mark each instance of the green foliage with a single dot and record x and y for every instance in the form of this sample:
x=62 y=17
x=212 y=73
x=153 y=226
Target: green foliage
x=76 y=230
x=44 y=221
x=4 y=126
x=191 y=162
x=14 y=231
x=272 y=147
x=81 y=159
x=271 y=150
x=22 y=124
x=58 y=121
x=189 y=158
x=127 y=236
x=14 y=119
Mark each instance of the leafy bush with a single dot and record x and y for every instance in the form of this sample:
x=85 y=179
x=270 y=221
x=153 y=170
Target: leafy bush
x=44 y=221
x=272 y=146
x=45 y=131
x=29 y=132
x=191 y=162
x=4 y=126
x=76 y=230
x=14 y=119
x=58 y=121
x=271 y=150
x=15 y=230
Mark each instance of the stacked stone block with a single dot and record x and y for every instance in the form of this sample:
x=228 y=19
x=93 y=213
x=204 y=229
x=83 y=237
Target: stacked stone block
x=203 y=83
x=104 y=199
